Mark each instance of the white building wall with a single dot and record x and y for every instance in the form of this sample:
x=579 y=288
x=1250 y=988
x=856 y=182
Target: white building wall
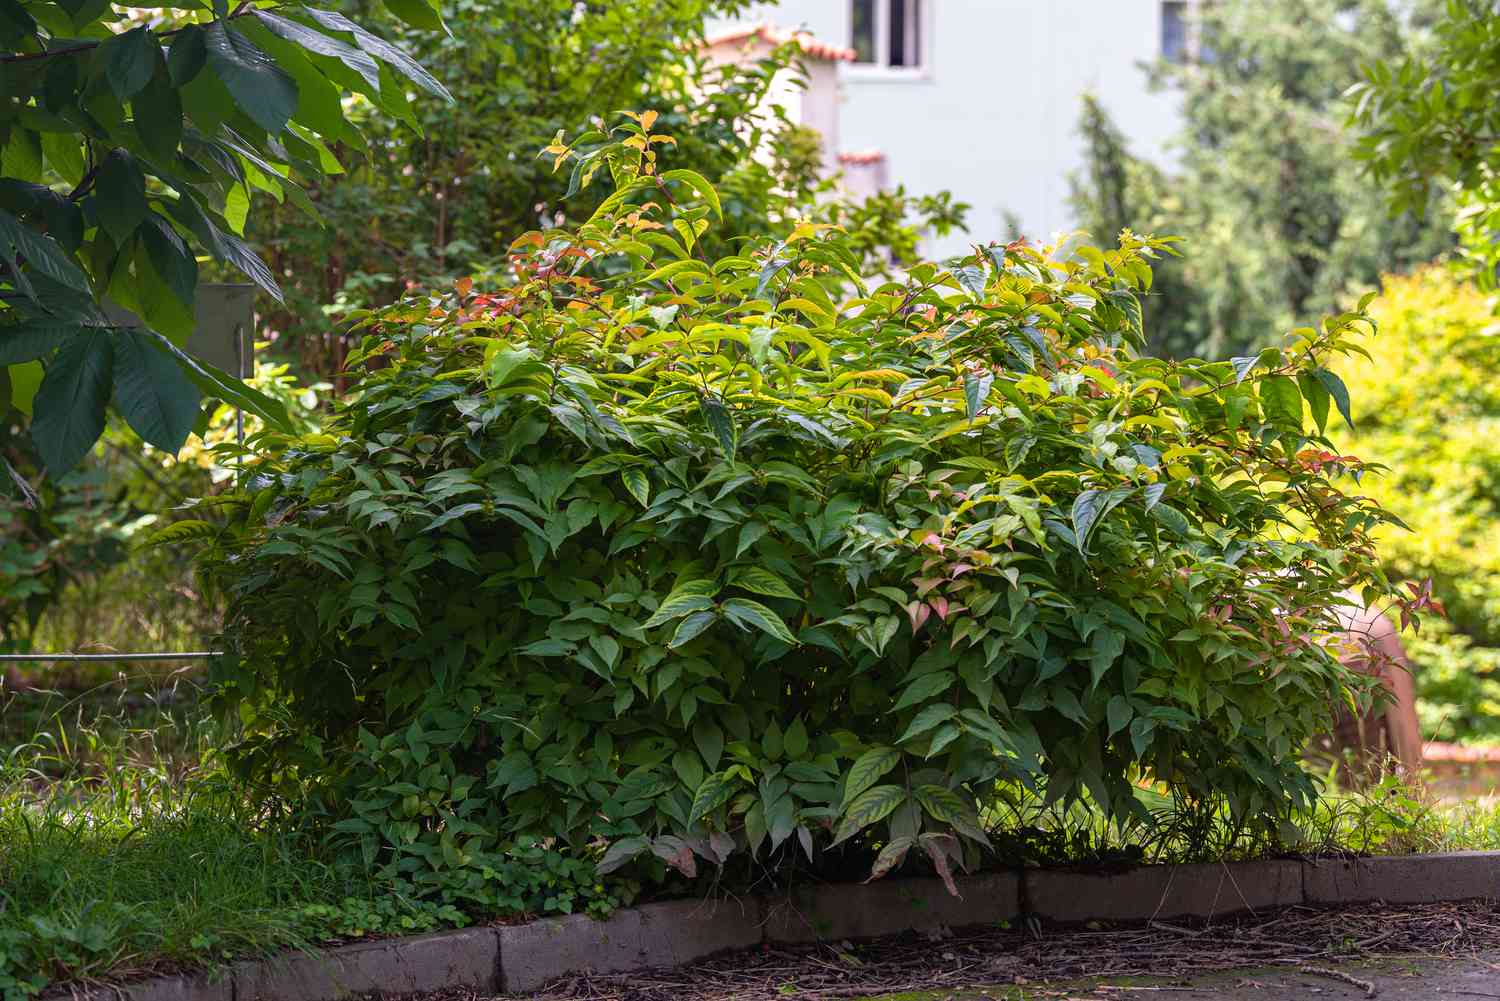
x=993 y=114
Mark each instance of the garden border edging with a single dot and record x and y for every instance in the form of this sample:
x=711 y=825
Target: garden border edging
x=515 y=959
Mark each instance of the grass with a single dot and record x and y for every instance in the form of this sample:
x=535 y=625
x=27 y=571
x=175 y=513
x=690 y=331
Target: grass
x=124 y=849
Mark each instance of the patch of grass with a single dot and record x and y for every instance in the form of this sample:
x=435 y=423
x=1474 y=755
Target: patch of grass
x=123 y=849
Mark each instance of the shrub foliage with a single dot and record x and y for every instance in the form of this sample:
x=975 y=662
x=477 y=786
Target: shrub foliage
x=665 y=561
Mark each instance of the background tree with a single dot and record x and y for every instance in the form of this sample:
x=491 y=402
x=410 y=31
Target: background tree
x=131 y=140
x=434 y=206
x=1282 y=221
x=1431 y=121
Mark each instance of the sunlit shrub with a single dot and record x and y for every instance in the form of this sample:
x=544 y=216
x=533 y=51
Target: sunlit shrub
x=735 y=558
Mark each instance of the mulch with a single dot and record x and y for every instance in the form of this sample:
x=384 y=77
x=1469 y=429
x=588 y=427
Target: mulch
x=1297 y=938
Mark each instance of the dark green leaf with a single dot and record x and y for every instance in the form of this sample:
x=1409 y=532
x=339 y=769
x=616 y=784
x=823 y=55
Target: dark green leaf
x=752 y=614
x=870 y=807
x=213 y=382
x=1089 y=508
x=265 y=91
x=42 y=253
x=1338 y=391
x=158 y=117
x=720 y=423
x=382 y=50
x=315 y=41
x=152 y=392
x=130 y=58
x=170 y=257
x=120 y=196
x=868 y=769
x=69 y=406
x=33 y=339
x=715 y=791
x=416 y=13
x=976 y=391
x=186 y=58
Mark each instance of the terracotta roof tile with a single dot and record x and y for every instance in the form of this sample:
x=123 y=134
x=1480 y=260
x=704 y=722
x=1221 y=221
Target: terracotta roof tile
x=772 y=35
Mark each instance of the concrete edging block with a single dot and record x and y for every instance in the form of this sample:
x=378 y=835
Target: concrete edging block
x=177 y=988
x=468 y=957
x=1404 y=879
x=638 y=938
x=836 y=911
x=521 y=958
x=1163 y=891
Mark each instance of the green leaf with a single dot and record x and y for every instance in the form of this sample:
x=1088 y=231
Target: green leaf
x=152 y=393
x=1317 y=399
x=1119 y=713
x=170 y=258
x=690 y=596
x=924 y=688
x=976 y=391
x=130 y=59
x=927 y=719
x=795 y=741
x=710 y=741
x=63 y=152
x=691 y=627
x=158 y=117
x=382 y=50
x=869 y=807
x=1281 y=401
x=69 y=406
x=746 y=613
x=120 y=196
x=224 y=246
x=1338 y=391
x=948 y=807
x=265 y=91
x=868 y=769
x=25 y=380
x=720 y=422
x=639 y=485
x=698 y=183
x=314 y=41
x=31 y=339
x=417 y=13
x=762 y=581
x=42 y=253
x=621 y=852
x=1089 y=508
x=187 y=56
x=216 y=383
x=715 y=791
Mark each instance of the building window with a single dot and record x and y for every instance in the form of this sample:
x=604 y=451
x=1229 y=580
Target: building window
x=887 y=33
x=1174 y=31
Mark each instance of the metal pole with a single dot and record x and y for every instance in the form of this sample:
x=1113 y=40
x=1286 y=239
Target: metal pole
x=60 y=657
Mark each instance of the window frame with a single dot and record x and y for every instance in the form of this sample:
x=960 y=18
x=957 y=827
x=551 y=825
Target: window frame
x=881 y=67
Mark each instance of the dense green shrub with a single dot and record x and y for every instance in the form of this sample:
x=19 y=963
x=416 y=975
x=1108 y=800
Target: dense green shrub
x=742 y=557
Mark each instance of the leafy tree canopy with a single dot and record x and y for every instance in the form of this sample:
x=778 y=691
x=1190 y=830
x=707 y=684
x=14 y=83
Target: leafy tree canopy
x=131 y=142
x=1280 y=221
x=1432 y=120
